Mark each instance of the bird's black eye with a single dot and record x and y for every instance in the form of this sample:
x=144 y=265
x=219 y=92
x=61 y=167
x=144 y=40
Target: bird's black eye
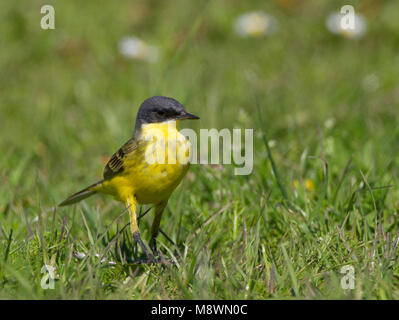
x=161 y=112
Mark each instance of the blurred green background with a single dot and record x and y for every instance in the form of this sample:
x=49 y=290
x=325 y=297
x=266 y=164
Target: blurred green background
x=69 y=99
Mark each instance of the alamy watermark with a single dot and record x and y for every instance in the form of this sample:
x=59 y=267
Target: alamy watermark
x=348 y=18
x=47 y=281
x=48 y=20
x=348 y=280
x=215 y=147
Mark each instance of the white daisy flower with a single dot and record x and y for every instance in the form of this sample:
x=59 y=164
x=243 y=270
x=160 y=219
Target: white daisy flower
x=135 y=48
x=272 y=143
x=103 y=260
x=333 y=24
x=371 y=83
x=255 y=24
x=79 y=255
x=329 y=123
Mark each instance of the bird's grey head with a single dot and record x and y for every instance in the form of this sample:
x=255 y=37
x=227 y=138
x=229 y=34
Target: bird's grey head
x=160 y=109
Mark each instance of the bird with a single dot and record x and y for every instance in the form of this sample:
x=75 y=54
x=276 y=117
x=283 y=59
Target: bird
x=148 y=167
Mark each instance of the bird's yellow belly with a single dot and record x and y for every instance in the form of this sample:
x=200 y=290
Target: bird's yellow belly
x=157 y=182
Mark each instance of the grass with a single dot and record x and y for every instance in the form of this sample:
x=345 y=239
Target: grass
x=323 y=192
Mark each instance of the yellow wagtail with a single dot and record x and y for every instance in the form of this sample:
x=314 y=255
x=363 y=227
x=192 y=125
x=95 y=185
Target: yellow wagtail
x=132 y=179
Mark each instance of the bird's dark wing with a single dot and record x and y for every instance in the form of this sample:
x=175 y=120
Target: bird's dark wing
x=115 y=164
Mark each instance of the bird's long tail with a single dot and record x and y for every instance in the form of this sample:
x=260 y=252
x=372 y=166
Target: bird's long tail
x=82 y=194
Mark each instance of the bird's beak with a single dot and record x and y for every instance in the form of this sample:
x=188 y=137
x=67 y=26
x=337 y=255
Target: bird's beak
x=187 y=115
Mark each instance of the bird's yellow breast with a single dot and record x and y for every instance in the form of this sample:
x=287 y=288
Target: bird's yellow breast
x=155 y=168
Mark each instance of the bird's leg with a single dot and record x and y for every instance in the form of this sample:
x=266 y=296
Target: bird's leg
x=135 y=242
x=134 y=228
x=155 y=226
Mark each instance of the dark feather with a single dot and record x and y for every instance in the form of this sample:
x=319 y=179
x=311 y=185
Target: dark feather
x=80 y=195
x=115 y=164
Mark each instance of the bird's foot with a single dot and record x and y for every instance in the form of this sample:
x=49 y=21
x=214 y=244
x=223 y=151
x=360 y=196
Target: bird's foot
x=150 y=258
x=153 y=246
x=156 y=253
